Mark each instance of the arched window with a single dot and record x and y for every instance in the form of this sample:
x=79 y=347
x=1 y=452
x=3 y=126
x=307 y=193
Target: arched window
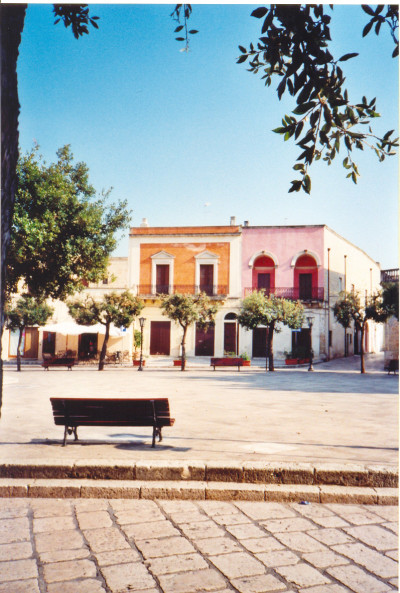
x=230 y=333
x=264 y=274
x=306 y=278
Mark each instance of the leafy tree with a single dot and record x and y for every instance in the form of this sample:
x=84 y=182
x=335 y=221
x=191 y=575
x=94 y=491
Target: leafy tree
x=260 y=309
x=119 y=309
x=26 y=312
x=294 y=46
x=62 y=233
x=390 y=298
x=349 y=308
x=187 y=309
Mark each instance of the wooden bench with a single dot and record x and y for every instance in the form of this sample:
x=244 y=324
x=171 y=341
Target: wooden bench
x=227 y=362
x=393 y=366
x=62 y=361
x=74 y=412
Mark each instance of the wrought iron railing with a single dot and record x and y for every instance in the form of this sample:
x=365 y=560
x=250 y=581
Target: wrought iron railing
x=152 y=290
x=315 y=293
x=390 y=275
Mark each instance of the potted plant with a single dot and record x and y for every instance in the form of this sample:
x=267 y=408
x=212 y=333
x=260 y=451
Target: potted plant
x=298 y=356
x=246 y=359
x=137 y=340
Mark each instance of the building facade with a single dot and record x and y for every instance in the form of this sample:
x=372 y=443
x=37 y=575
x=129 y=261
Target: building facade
x=310 y=263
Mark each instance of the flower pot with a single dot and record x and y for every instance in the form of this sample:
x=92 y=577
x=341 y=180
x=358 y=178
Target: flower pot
x=177 y=363
x=136 y=363
x=246 y=363
x=291 y=361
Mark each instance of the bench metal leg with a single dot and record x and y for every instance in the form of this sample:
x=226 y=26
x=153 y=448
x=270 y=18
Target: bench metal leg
x=69 y=430
x=156 y=432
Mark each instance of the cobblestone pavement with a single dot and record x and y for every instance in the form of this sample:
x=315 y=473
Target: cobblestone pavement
x=121 y=546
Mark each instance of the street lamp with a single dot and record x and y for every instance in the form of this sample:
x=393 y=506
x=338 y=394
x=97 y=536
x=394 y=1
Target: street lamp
x=141 y=321
x=310 y=321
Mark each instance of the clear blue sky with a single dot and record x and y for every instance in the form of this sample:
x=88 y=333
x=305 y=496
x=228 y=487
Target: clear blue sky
x=186 y=137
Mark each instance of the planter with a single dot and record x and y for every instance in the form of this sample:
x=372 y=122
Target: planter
x=246 y=363
x=136 y=363
x=177 y=363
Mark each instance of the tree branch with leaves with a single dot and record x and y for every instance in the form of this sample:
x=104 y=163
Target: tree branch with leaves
x=294 y=47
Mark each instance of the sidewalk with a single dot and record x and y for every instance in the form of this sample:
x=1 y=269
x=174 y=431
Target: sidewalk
x=121 y=546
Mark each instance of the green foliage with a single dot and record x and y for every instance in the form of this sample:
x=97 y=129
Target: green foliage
x=187 y=309
x=27 y=312
x=294 y=47
x=390 y=298
x=119 y=309
x=184 y=11
x=62 y=233
x=261 y=309
x=75 y=16
x=244 y=356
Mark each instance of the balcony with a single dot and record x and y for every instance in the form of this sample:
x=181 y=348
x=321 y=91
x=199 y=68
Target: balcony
x=154 y=291
x=314 y=294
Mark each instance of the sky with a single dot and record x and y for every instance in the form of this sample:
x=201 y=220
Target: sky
x=187 y=138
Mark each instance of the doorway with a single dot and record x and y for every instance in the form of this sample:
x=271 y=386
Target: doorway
x=205 y=341
x=160 y=338
x=87 y=347
x=260 y=342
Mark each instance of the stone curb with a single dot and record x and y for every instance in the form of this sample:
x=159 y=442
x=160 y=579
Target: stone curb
x=347 y=475
x=194 y=490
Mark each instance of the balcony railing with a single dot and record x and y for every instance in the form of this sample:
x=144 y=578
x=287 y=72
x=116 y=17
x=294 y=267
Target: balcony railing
x=152 y=290
x=390 y=275
x=294 y=294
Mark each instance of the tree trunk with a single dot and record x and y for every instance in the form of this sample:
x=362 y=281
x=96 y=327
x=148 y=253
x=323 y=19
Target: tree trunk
x=270 y=349
x=183 y=347
x=12 y=22
x=362 y=349
x=21 y=333
x=104 y=347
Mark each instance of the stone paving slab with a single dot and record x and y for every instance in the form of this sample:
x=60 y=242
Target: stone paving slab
x=181 y=546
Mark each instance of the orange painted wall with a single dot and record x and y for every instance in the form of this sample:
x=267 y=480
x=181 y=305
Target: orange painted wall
x=184 y=262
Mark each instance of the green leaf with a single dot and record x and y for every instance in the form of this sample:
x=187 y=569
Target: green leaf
x=347 y=57
x=193 y=31
x=259 y=12
x=304 y=107
x=178 y=29
x=243 y=49
x=307 y=184
x=280 y=130
x=180 y=38
x=241 y=59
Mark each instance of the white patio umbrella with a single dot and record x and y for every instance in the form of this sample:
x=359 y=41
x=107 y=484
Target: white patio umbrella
x=69 y=328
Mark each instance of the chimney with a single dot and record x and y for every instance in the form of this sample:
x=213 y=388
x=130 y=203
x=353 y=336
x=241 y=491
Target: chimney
x=144 y=222
x=233 y=220
x=246 y=223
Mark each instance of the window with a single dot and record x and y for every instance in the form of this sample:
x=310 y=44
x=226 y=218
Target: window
x=162 y=278
x=162 y=273
x=206 y=275
x=306 y=278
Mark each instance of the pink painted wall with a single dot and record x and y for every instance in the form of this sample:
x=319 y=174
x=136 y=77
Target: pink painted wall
x=284 y=243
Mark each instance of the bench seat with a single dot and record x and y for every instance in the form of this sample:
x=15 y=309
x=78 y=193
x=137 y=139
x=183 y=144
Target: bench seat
x=74 y=412
x=227 y=362
x=65 y=361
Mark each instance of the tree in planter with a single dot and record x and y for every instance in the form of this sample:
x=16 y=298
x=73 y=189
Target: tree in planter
x=350 y=309
x=119 y=309
x=26 y=312
x=260 y=309
x=187 y=309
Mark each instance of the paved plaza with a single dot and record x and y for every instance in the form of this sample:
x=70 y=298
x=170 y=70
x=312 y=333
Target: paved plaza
x=224 y=419
x=124 y=546
x=334 y=414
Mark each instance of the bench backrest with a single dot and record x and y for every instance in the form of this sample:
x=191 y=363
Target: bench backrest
x=112 y=412
x=227 y=361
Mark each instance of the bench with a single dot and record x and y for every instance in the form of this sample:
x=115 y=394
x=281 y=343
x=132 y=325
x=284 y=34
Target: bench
x=74 y=412
x=62 y=361
x=227 y=362
x=393 y=366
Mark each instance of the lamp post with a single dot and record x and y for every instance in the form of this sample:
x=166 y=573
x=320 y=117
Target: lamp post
x=141 y=321
x=310 y=321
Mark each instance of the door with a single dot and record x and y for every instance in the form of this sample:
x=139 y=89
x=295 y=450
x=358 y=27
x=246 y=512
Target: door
x=305 y=287
x=264 y=282
x=160 y=338
x=87 y=347
x=162 y=279
x=49 y=343
x=31 y=342
x=260 y=342
x=204 y=341
x=207 y=278
x=230 y=339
